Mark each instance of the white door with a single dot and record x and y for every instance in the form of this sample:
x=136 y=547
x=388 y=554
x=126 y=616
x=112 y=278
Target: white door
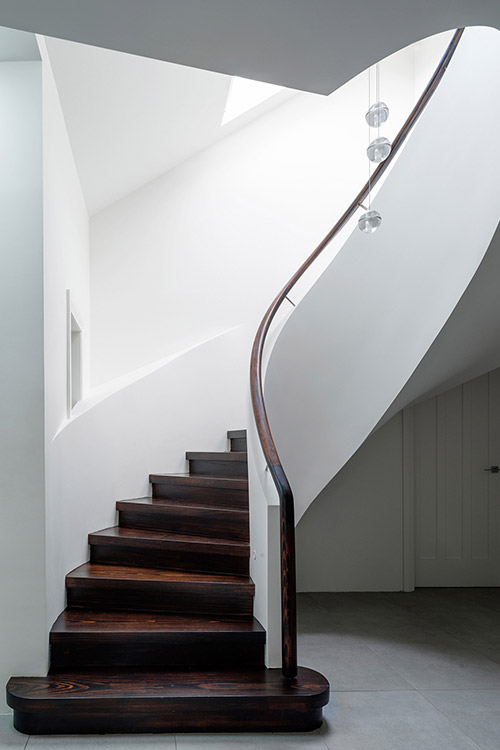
x=457 y=517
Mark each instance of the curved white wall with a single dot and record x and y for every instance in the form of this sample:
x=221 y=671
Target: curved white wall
x=107 y=452
x=356 y=338
x=207 y=245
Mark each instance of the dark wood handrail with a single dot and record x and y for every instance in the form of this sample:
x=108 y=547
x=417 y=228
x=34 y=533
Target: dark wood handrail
x=287 y=524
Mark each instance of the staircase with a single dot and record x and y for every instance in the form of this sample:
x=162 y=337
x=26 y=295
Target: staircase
x=158 y=634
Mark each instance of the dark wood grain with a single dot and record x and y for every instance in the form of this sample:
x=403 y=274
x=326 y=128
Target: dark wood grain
x=219 y=468
x=102 y=621
x=200 y=481
x=145 y=513
x=289 y=615
x=238 y=440
x=82 y=639
x=93 y=586
x=159 y=633
x=223 y=456
x=235 y=434
x=181 y=701
x=162 y=549
x=222 y=492
x=239 y=444
x=228 y=464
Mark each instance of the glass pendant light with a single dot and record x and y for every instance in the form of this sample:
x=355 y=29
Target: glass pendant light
x=378 y=150
x=369 y=222
x=377 y=114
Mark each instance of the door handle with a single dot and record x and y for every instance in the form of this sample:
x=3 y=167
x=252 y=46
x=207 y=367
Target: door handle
x=494 y=469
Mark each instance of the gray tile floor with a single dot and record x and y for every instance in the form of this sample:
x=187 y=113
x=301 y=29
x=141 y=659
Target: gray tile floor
x=414 y=671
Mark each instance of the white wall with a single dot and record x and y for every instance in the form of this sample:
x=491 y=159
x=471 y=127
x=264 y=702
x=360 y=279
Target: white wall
x=66 y=267
x=350 y=538
x=353 y=342
x=22 y=544
x=106 y=452
x=375 y=526
x=209 y=244
x=66 y=251
x=468 y=345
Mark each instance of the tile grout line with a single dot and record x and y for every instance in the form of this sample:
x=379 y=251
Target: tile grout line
x=481 y=747
x=26 y=745
x=391 y=667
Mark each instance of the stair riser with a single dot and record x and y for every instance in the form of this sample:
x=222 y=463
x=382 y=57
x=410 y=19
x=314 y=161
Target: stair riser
x=219 y=599
x=169 y=559
x=239 y=444
x=164 y=652
x=202 y=495
x=219 y=468
x=164 y=718
x=218 y=525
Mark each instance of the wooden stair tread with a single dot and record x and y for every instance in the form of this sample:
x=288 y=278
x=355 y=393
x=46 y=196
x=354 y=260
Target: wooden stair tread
x=216 y=456
x=97 y=572
x=158 y=505
x=245 y=687
x=236 y=434
x=137 y=537
x=159 y=634
x=200 y=480
x=72 y=621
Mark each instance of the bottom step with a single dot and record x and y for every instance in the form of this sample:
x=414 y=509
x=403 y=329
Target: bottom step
x=174 y=701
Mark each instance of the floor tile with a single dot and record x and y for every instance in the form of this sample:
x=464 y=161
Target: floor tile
x=440 y=664
x=104 y=742
x=306 y=740
x=347 y=663
x=389 y=721
x=476 y=712
x=9 y=738
x=370 y=614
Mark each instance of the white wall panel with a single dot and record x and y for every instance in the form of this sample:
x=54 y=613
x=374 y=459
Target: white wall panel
x=456 y=500
x=22 y=475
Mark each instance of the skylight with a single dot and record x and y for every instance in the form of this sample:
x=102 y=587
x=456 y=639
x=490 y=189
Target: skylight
x=244 y=95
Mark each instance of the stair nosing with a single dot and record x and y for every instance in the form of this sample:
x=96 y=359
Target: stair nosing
x=201 y=480
x=239 y=628
x=166 y=503
x=200 y=688
x=209 y=579
x=237 y=434
x=99 y=537
x=232 y=456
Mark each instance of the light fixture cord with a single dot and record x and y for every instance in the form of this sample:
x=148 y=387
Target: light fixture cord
x=377 y=87
x=369 y=162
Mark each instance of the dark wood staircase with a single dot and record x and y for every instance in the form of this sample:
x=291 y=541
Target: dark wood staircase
x=159 y=634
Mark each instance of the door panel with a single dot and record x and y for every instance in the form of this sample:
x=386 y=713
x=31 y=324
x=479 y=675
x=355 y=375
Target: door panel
x=456 y=437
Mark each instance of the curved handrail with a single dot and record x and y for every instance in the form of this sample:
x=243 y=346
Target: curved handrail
x=287 y=525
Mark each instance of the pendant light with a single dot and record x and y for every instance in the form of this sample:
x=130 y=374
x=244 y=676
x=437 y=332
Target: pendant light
x=378 y=150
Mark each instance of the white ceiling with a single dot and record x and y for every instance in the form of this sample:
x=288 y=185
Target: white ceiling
x=131 y=119
x=311 y=45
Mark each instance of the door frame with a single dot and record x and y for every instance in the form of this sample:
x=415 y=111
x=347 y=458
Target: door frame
x=408 y=557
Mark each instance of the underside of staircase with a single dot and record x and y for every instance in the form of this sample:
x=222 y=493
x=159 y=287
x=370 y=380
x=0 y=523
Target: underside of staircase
x=158 y=634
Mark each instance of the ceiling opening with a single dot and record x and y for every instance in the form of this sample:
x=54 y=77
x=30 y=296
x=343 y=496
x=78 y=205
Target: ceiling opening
x=245 y=94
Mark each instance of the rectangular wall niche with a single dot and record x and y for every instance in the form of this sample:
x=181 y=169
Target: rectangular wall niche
x=74 y=357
